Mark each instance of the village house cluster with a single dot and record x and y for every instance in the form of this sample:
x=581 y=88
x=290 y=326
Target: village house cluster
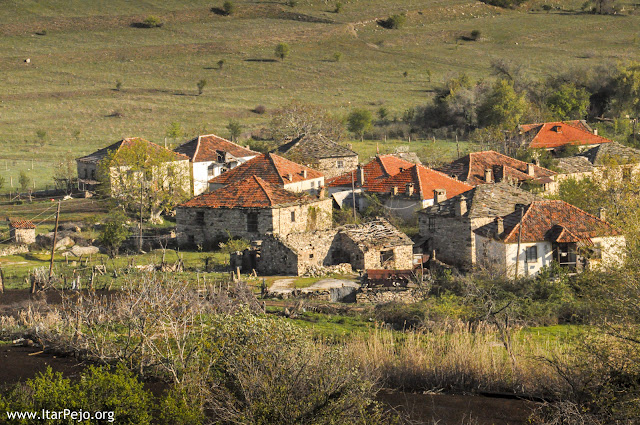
x=483 y=210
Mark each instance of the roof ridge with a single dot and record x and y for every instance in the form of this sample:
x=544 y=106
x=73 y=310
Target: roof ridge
x=273 y=163
x=195 y=153
x=529 y=208
x=260 y=181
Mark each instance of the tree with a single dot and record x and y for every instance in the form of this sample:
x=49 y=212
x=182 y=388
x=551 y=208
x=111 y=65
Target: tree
x=503 y=107
x=626 y=97
x=201 y=84
x=296 y=119
x=282 y=51
x=235 y=129
x=359 y=121
x=114 y=232
x=568 y=102
x=220 y=63
x=65 y=172
x=42 y=137
x=228 y=7
x=174 y=131
x=145 y=179
x=24 y=180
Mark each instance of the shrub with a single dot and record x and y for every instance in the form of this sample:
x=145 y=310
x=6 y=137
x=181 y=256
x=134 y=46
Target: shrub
x=292 y=3
x=393 y=21
x=282 y=50
x=260 y=109
x=152 y=22
x=507 y=4
x=201 y=84
x=228 y=7
x=475 y=34
x=118 y=85
x=546 y=7
x=337 y=56
x=220 y=63
x=338 y=7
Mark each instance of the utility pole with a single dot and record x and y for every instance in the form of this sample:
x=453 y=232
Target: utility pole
x=353 y=196
x=53 y=244
x=519 y=239
x=140 y=230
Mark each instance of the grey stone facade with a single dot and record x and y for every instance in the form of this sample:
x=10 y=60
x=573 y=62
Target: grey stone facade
x=334 y=167
x=206 y=226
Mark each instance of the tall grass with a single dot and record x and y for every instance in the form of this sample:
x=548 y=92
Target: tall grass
x=459 y=359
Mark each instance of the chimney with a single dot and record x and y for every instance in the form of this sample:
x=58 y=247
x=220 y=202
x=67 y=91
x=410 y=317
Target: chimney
x=322 y=192
x=488 y=175
x=461 y=206
x=499 y=226
x=394 y=190
x=536 y=162
x=409 y=189
x=602 y=213
x=360 y=175
x=304 y=174
x=350 y=146
x=290 y=177
x=439 y=195
x=530 y=170
x=595 y=131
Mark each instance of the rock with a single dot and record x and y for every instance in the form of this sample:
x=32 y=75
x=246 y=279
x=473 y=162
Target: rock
x=84 y=250
x=65 y=242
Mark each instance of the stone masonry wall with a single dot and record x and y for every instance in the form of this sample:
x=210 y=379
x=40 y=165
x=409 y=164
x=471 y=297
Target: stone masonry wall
x=276 y=258
x=23 y=236
x=452 y=239
x=329 y=167
x=308 y=217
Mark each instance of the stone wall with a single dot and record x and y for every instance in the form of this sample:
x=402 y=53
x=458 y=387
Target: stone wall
x=297 y=252
x=87 y=171
x=277 y=258
x=13 y=249
x=219 y=223
x=329 y=166
x=387 y=295
x=23 y=236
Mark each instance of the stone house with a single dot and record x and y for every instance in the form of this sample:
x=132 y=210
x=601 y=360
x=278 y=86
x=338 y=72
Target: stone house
x=555 y=136
x=490 y=167
x=373 y=245
x=446 y=228
x=410 y=188
x=606 y=161
x=22 y=231
x=544 y=232
x=320 y=153
x=249 y=209
x=174 y=169
x=275 y=170
x=210 y=156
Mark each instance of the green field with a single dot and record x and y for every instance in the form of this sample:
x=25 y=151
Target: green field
x=68 y=89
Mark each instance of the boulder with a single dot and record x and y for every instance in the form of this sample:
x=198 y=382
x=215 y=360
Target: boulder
x=64 y=242
x=84 y=250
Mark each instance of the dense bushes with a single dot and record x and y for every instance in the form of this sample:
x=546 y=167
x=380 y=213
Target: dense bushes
x=507 y=4
x=393 y=21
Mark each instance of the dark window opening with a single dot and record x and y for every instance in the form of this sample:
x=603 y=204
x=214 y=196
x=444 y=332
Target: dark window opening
x=532 y=254
x=200 y=217
x=386 y=256
x=293 y=216
x=252 y=222
x=211 y=170
x=339 y=164
x=432 y=224
x=310 y=256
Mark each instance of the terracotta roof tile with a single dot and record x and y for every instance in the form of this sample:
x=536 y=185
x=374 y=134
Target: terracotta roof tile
x=556 y=134
x=424 y=180
x=269 y=167
x=207 y=148
x=152 y=148
x=551 y=221
x=21 y=224
x=470 y=168
x=252 y=192
x=381 y=167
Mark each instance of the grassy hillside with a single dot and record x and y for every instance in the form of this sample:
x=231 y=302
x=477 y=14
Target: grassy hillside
x=68 y=89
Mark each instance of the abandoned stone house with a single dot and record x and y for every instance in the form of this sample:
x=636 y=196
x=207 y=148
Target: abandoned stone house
x=556 y=136
x=490 y=167
x=275 y=170
x=403 y=188
x=210 y=156
x=22 y=231
x=174 y=169
x=606 y=161
x=320 y=153
x=446 y=228
x=373 y=245
x=544 y=232
x=249 y=209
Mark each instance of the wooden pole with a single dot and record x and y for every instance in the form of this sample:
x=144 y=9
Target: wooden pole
x=1 y=281
x=353 y=196
x=53 y=244
x=519 y=239
x=140 y=231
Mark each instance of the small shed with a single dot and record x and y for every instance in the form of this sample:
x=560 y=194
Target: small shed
x=22 y=231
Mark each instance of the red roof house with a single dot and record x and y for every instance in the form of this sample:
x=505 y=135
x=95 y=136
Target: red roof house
x=554 y=135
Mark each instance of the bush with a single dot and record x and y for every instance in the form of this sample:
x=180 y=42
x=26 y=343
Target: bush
x=260 y=109
x=292 y=3
x=475 y=35
x=338 y=7
x=228 y=7
x=152 y=22
x=282 y=50
x=507 y=4
x=393 y=21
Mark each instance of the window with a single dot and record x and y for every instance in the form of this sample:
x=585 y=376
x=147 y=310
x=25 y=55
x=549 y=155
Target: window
x=432 y=224
x=211 y=170
x=386 y=256
x=339 y=164
x=86 y=173
x=310 y=256
x=93 y=174
x=293 y=216
x=200 y=218
x=532 y=254
x=252 y=222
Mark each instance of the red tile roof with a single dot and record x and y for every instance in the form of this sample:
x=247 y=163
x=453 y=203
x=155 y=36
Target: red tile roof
x=130 y=142
x=252 y=192
x=555 y=221
x=381 y=167
x=269 y=167
x=206 y=149
x=556 y=134
x=424 y=180
x=470 y=168
x=21 y=224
